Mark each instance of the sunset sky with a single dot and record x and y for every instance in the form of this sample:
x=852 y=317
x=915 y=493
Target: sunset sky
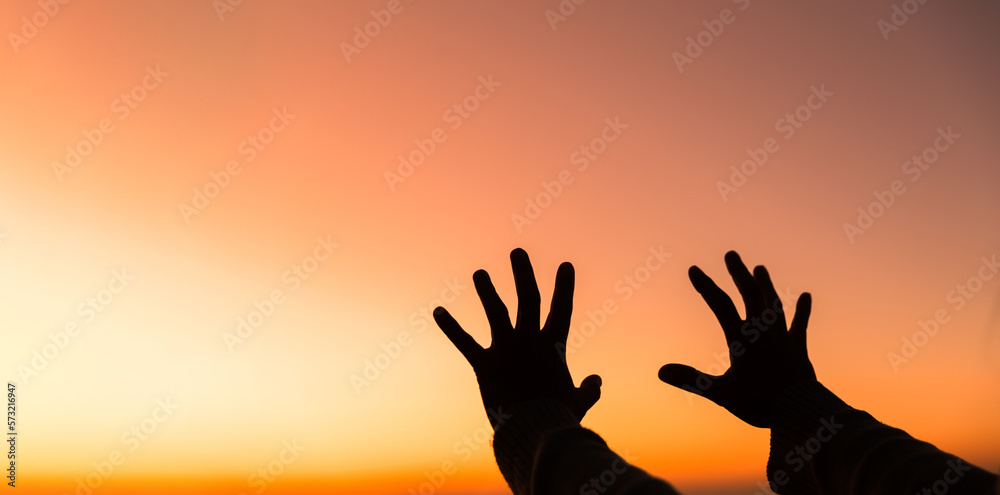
x=223 y=226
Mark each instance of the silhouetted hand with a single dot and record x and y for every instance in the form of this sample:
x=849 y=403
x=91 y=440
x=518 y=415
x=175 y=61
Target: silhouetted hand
x=524 y=362
x=765 y=358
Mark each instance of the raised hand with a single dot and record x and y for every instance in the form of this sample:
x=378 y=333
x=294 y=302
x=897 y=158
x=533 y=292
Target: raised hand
x=525 y=361
x=766 y=356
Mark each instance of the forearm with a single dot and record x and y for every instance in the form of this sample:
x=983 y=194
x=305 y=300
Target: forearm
x=542 y=449
x=820 y=445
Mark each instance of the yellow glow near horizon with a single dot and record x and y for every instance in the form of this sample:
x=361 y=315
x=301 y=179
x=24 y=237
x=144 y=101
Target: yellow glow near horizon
x=252 y=168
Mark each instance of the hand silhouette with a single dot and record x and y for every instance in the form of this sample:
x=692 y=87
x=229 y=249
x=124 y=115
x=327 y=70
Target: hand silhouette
x=523 y=362
x=765 y=358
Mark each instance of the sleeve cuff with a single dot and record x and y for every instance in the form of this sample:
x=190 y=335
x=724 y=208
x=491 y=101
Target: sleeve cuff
x=519 y=433
x=806 y=416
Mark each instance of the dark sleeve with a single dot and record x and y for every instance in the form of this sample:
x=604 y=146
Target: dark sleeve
x=820 y=445
x=542 y=449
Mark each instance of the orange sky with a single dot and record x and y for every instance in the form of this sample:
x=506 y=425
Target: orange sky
x=167 y=169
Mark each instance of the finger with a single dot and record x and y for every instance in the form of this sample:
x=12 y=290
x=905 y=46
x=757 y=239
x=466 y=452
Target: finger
x=771 y=299
x=752 y=299
x=557 y=322
x=718 y=301
x=496 y=310
x=797 y=332
x=529 y=301
x=685 y=377
x=459 y=337
x=588 y=394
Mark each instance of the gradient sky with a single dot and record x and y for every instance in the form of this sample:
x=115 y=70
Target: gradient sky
x=506 y=100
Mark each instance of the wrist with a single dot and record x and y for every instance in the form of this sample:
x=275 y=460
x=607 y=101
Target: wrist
x=806 y=421
x=805 y=400
x=522 y=428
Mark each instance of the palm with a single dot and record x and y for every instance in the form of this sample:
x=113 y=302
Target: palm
x=524 y=361
x=766 y=354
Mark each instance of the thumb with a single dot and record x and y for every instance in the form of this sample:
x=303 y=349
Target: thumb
x=587 y=394
x=685 y=377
